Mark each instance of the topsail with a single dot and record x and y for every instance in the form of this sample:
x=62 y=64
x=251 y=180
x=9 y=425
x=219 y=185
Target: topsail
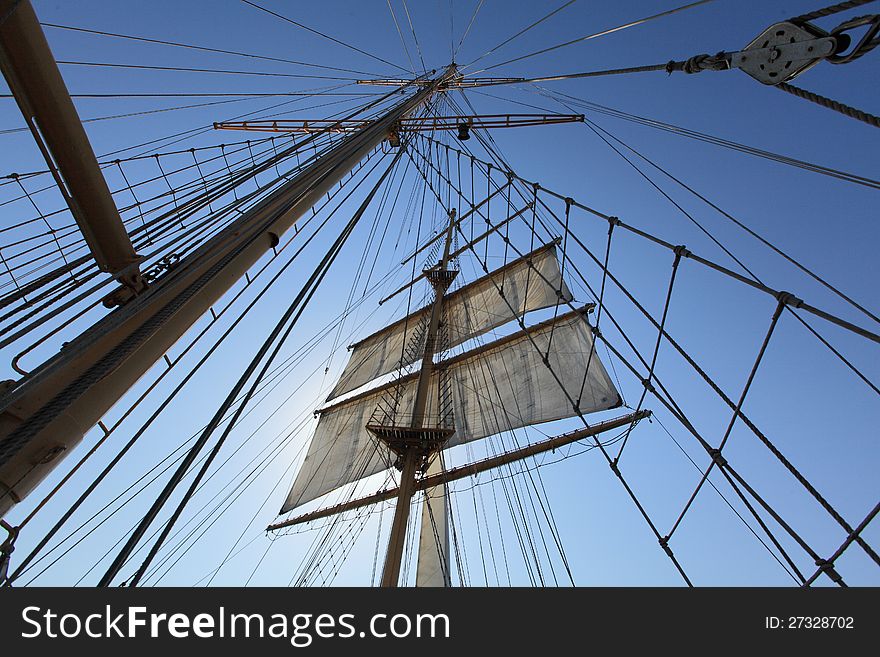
x=529 y=283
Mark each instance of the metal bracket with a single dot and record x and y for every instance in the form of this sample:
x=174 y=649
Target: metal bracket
x=129 y=290
x=783 y=51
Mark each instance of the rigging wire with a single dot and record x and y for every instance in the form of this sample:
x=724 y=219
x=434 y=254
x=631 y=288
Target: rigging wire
x=183 y=69
x=518 y=34
x=711 y=139
x=236 y=321
x=400 y=34
x=726 y=399
x=661 y=328
x=248 y=94
x=280 y=332
x=730 y=474
x=322 y=34
x=595 y=35
x=202 y=48
x=468 y=29
x=412 y=30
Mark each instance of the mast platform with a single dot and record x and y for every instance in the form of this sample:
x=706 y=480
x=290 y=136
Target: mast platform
x=402 y=439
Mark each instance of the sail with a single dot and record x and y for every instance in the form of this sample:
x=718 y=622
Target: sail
x=529 y=283
x=432 y=569
x=501 y=386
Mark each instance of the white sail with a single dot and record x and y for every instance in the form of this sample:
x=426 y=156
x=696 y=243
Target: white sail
x=529 y=283
x=432 y=569
x=501 y=386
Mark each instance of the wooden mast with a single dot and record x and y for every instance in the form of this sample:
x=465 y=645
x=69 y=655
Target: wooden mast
x=420 y=441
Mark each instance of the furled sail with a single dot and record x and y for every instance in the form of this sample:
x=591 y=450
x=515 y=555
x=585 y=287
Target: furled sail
x=500 y=386
x=530 y=283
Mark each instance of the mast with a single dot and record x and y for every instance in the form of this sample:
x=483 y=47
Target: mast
x=414 y=452
x=45 y=416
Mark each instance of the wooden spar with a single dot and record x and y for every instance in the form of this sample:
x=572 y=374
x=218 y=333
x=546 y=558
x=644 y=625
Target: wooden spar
x=408 y=124
x=36 y=83
x=495 y=228
x=412 y=457
x=469 y=470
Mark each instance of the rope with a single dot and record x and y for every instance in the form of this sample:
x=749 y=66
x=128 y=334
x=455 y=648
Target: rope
x=699 y=136
x=321 y=34
x=729 y=473
x=299 y=304
x=604 y=452
x=182 y=69
x=795 y=303
x=518 y=34
x=202 y=48
x=400 y=34
x=415 y=37
x=846 y=110
x=828 y=11
x=646 y=383
x=595 y=35
x=763 y=438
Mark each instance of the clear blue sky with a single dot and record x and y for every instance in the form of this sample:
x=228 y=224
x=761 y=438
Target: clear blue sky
x=814 y=409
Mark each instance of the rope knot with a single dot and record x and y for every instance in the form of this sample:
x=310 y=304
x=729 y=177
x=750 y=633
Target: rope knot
x=681 y=251
x=719 y=460
x=788 y=299
x=703 y=62
x=648 y=386
x=827 y=567
x=596 y=332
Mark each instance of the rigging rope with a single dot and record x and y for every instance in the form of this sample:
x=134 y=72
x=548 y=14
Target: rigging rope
x=293 y=313
x=828 y=11
x=202 y=48
x=732 y=474
x=595 y=35
x=326 y=36
x=831 y=104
